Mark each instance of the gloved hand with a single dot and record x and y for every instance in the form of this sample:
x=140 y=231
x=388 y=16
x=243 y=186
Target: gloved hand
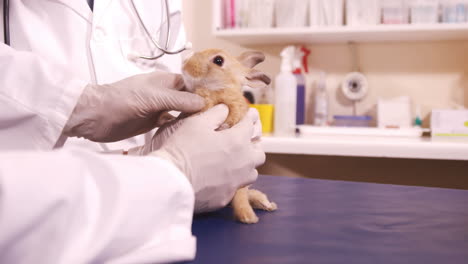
x=112 y=112
x=165 y=131
x=217 y=163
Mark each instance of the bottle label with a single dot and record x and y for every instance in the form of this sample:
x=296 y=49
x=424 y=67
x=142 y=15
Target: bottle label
x=300 y=105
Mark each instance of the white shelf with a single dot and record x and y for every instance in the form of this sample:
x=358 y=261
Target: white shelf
x=377 y=33
x=359 y=146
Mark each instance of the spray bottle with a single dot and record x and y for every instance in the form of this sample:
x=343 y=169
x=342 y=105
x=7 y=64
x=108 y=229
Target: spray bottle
x=300 y=59
x=285 y=95
x=321 y=102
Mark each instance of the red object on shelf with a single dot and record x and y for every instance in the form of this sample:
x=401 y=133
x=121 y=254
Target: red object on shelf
x=229 y=13
x=305 y=58
x=233 y=13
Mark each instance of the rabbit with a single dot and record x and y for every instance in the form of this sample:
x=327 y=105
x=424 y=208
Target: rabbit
x=218 y=77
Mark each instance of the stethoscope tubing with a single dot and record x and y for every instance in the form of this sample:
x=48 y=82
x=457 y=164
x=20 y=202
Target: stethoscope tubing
x=164 y=50
x=6 y=21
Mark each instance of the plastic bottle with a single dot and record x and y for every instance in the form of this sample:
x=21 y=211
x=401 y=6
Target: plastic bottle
x=300 y=88
x=300 y=59
x=418 y=121
x=321 y=102
x=285 y=95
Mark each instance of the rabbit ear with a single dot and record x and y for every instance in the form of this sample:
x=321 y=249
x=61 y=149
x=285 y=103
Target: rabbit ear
x=257 y=79
x=251 y=58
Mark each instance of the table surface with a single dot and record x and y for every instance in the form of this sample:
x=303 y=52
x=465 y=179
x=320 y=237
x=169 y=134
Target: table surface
x=320 y=221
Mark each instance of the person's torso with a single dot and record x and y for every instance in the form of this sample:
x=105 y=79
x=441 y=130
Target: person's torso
x=100 y=45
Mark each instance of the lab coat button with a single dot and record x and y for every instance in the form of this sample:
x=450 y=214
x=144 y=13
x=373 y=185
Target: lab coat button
x=99 y=34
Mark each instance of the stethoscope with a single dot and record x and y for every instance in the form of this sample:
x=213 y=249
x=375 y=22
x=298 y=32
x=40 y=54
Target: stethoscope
x=164 y=50
x=6 y=21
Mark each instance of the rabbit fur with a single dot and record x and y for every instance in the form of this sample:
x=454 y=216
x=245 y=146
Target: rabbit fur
x=218 y=77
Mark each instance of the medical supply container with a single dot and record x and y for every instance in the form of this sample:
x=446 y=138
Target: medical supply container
x=285 y=95
x=291 y=13
x=300 y=69
x=321 y=102
x=395 y=12
x=418 y=117
x=449 y=123
x=326 y=12
x=424 y=11
x=362 y=12
x=300 y=96
x=395 y=112
x=265 y=112
x=454 y=11
x=352 y=121
x=260 y=13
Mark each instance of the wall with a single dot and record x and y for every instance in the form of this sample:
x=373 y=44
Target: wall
x=434 y=74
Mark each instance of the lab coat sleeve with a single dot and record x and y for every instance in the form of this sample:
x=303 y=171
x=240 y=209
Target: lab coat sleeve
x=73 y=206
x=36 y=100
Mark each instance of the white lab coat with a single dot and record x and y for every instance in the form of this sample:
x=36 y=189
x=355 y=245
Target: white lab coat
x=74 y=206
x=62 y=45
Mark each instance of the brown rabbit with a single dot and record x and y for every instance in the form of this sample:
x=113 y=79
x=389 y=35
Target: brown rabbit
x=219 y=77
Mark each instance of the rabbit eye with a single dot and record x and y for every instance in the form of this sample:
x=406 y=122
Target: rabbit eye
x=218 y=60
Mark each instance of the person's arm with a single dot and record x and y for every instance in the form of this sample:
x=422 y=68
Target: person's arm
x=217 y=163
x=80 y=207
x=40 y=102
x=36 y=100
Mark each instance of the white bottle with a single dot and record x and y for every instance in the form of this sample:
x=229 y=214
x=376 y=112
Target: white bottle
x=321 y=102
x=285 y=95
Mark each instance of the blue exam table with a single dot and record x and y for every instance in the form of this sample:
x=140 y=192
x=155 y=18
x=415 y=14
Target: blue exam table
x=322 y=221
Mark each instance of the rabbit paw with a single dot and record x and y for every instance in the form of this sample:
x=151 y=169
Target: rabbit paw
x=246 y=215
x=259 y=200
x=223 y=127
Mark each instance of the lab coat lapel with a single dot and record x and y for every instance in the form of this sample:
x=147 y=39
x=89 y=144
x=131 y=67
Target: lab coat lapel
x=100 y=7
x=79 y=6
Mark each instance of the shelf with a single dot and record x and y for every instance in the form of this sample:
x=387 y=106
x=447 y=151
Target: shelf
x=359 y=146
x=343 y=34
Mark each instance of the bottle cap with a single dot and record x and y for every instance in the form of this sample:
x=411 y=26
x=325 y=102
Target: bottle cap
x=287 y=56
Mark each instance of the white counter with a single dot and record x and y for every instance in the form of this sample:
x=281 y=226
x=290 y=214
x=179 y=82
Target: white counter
x=364 y=146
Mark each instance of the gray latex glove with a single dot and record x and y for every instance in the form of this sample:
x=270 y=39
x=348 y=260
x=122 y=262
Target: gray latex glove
x=217 y=163
x=112 y=112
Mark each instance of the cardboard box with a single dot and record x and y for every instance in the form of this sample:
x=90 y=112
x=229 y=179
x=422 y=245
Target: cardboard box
x=449 y=123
